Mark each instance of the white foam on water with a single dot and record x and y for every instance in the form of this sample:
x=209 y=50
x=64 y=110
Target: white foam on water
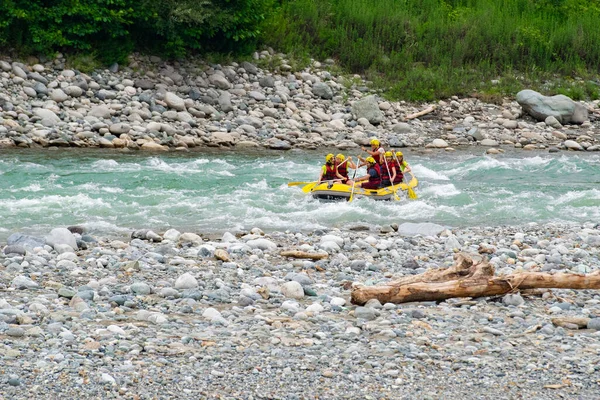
x=528 y=163
x=484 y=164
x=79 y=202
x=109 y=189
x=105 y=165
x=593 y=194
x=448 y=190
x=34 y=187
x=261 y=184
x=424 y=173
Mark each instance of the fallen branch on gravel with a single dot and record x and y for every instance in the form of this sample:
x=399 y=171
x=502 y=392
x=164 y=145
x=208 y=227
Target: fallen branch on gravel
x=303 y=254
x=467 y=279
x=420 y=113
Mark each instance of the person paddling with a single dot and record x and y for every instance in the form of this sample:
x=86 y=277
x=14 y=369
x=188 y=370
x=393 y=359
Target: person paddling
x=388 y=170
x=373 y=178
x=342 y=164
x=377 y=152
x=328 y=171
x=401 y=166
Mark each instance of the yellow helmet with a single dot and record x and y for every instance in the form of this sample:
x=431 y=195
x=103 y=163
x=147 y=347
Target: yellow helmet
x=341 y=157
x=399 y=154
x=329 y=157
x=374 y=142
x=370 y=160
x=388 y=154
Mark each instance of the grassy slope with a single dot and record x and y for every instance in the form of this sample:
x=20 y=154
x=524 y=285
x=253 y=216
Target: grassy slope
x=430 y=49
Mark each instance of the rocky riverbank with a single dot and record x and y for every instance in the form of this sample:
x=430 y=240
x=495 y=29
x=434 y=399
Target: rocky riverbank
x=154 y=105
x=176 y=315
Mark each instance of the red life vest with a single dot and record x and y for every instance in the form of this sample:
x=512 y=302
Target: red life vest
x=342 y=169
x=376 y=180
x=399 y=174
x=386 y=170
x=329 y=172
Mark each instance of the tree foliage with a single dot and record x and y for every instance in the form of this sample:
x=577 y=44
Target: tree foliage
x=114 y=28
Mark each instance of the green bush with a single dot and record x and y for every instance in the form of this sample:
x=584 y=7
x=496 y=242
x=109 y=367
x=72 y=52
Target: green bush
x=112 y=29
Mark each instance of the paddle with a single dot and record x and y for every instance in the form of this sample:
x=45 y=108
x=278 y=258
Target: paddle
x=411 y=193
x=353 y=182
x=299 y=183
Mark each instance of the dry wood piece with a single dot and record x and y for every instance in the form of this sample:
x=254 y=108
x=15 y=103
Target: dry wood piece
x=222 y=255
x=420 y=113
x=303 y=254
x=568 y=322
x=467 y=279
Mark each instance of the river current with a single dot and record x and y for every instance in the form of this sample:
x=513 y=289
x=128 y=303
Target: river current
x=111 y=193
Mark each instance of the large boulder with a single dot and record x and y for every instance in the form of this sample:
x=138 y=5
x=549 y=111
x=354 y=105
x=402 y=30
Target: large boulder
x=322 y=90
x=369 y=109
x=48 y=117
x=424 y=229
x=540 y=107
x=60 y=236
x=27 y=241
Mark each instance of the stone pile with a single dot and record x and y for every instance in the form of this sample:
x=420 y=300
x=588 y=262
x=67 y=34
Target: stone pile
x=154 y=105
x=176 y=315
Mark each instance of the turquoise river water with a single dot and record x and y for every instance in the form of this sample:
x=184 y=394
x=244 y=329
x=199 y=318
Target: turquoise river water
x=112 y=193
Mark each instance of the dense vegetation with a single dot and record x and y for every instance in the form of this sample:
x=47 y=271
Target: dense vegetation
x=416 y=50
x=429 y=49
x=112 y=29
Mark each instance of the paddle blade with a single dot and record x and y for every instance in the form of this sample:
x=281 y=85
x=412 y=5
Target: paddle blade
x=297 y=183
x=308 y=188
x=411 y=194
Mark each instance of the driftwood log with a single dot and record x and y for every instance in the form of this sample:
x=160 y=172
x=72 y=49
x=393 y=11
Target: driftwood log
x=467 y=278
x=303 y=254
x=420 y=113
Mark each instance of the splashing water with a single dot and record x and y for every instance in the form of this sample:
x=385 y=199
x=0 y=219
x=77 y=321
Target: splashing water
x=111 y=193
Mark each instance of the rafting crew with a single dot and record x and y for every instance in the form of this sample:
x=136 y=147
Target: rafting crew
x=384 y=168
x=377 y=151
x=342 y=165
x=388 y=170
x=328 y=170
x=373 y=178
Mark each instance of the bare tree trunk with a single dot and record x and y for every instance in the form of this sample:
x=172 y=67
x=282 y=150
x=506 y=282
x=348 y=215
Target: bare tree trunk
x=462 y=280
x=303 y=254
x=420 y=113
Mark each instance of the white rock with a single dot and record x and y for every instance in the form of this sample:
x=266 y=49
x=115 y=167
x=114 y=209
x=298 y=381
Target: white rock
x=186 y=281
x=67 y=256
x=116 y=330
x=190 y=237
x=337 y=301
x=61 y=236
x=172 y=235
x=106 y=378
x=262 y=244
x=330 y=247
x=573 y=145
x=332 y=238
x=315 y=308
x=157 y=318
x=228 y=238
x=290 y=305
x=439 y=143
x=292 y=290
x=211 y=313
x=175 y=102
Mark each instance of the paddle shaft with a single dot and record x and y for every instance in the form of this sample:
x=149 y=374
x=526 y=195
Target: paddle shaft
x=353 y=182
